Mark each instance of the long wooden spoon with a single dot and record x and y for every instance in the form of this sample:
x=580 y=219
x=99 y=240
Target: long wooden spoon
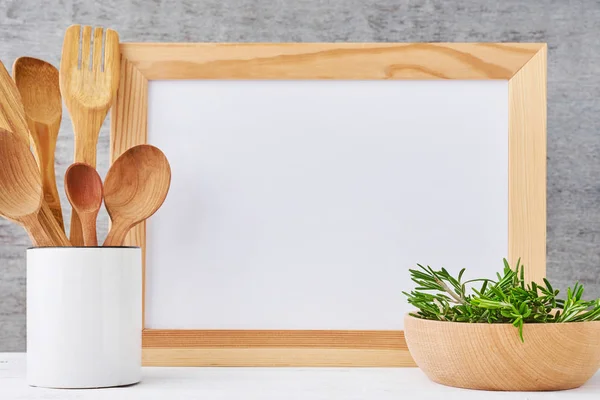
x=21 y=188
x=135 y=187
x=89 y=79
x=13 y=121
x=84 y=191
x=38 y=85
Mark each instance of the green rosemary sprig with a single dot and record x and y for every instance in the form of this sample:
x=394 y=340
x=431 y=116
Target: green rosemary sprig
x=442 y=297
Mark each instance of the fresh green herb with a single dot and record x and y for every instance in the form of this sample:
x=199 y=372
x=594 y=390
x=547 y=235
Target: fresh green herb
x=440 y=296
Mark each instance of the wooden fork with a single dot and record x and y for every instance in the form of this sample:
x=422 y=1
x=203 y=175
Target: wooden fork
x=89 y=79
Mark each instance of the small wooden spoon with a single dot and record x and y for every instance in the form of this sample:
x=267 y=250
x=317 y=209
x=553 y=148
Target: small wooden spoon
x=21 y=188
x=135 y=187
x=84 y=191
x=39 y=87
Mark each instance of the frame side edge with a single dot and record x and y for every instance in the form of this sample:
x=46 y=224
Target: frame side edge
x=527 y=166
x=129 y=127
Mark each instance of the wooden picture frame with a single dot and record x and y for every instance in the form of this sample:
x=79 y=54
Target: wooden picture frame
x=522 y=65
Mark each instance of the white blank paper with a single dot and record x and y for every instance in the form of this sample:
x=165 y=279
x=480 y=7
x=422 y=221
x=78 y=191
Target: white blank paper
x=302 y=204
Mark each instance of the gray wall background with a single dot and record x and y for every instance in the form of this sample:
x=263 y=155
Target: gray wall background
x=571 y=29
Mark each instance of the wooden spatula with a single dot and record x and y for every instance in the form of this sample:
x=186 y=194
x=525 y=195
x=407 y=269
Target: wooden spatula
x=12 y=115
x=89 y=79
x=12 y=119
x=21 y=187
x=37 y=82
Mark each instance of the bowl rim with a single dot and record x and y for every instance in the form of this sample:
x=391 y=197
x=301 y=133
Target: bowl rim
x=435 y=321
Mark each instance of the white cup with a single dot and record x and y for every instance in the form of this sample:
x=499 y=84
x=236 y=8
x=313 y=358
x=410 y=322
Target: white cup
x=84 y=316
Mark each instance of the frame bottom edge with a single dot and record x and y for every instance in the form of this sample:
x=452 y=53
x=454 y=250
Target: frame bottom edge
x=275 y=357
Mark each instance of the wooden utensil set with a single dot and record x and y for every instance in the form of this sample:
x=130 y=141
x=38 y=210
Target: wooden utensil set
x=30 y=113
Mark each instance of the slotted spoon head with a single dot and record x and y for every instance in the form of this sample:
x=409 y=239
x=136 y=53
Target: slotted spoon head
x=89 y=67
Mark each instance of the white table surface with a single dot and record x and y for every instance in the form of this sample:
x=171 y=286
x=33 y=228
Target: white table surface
x=270 y=383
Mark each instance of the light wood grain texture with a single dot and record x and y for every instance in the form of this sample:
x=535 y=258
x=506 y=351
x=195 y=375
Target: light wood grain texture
x=129 y=115
x=83 y=186
x=275 y=348
x=88 y=85
x=135 y=187
x=12 y=118
x=527 y=167
x=142 y=62
x=275 y=357
x=128 y=128
x=328 y=60
x=12 y=115
x=383 y=340
x=21 y=187
x=38 y=85
x=492 y=356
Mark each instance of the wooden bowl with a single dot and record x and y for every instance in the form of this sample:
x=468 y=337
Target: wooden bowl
x=492 y=357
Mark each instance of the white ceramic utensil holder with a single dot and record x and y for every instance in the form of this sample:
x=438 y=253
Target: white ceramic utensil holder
x=84 y=316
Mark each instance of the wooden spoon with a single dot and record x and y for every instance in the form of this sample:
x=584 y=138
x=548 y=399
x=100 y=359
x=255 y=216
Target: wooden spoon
x=84 y=191
x=21 y=188
x=38 y=85
x=13 y=121
x=89 y=79
x=135 y=187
